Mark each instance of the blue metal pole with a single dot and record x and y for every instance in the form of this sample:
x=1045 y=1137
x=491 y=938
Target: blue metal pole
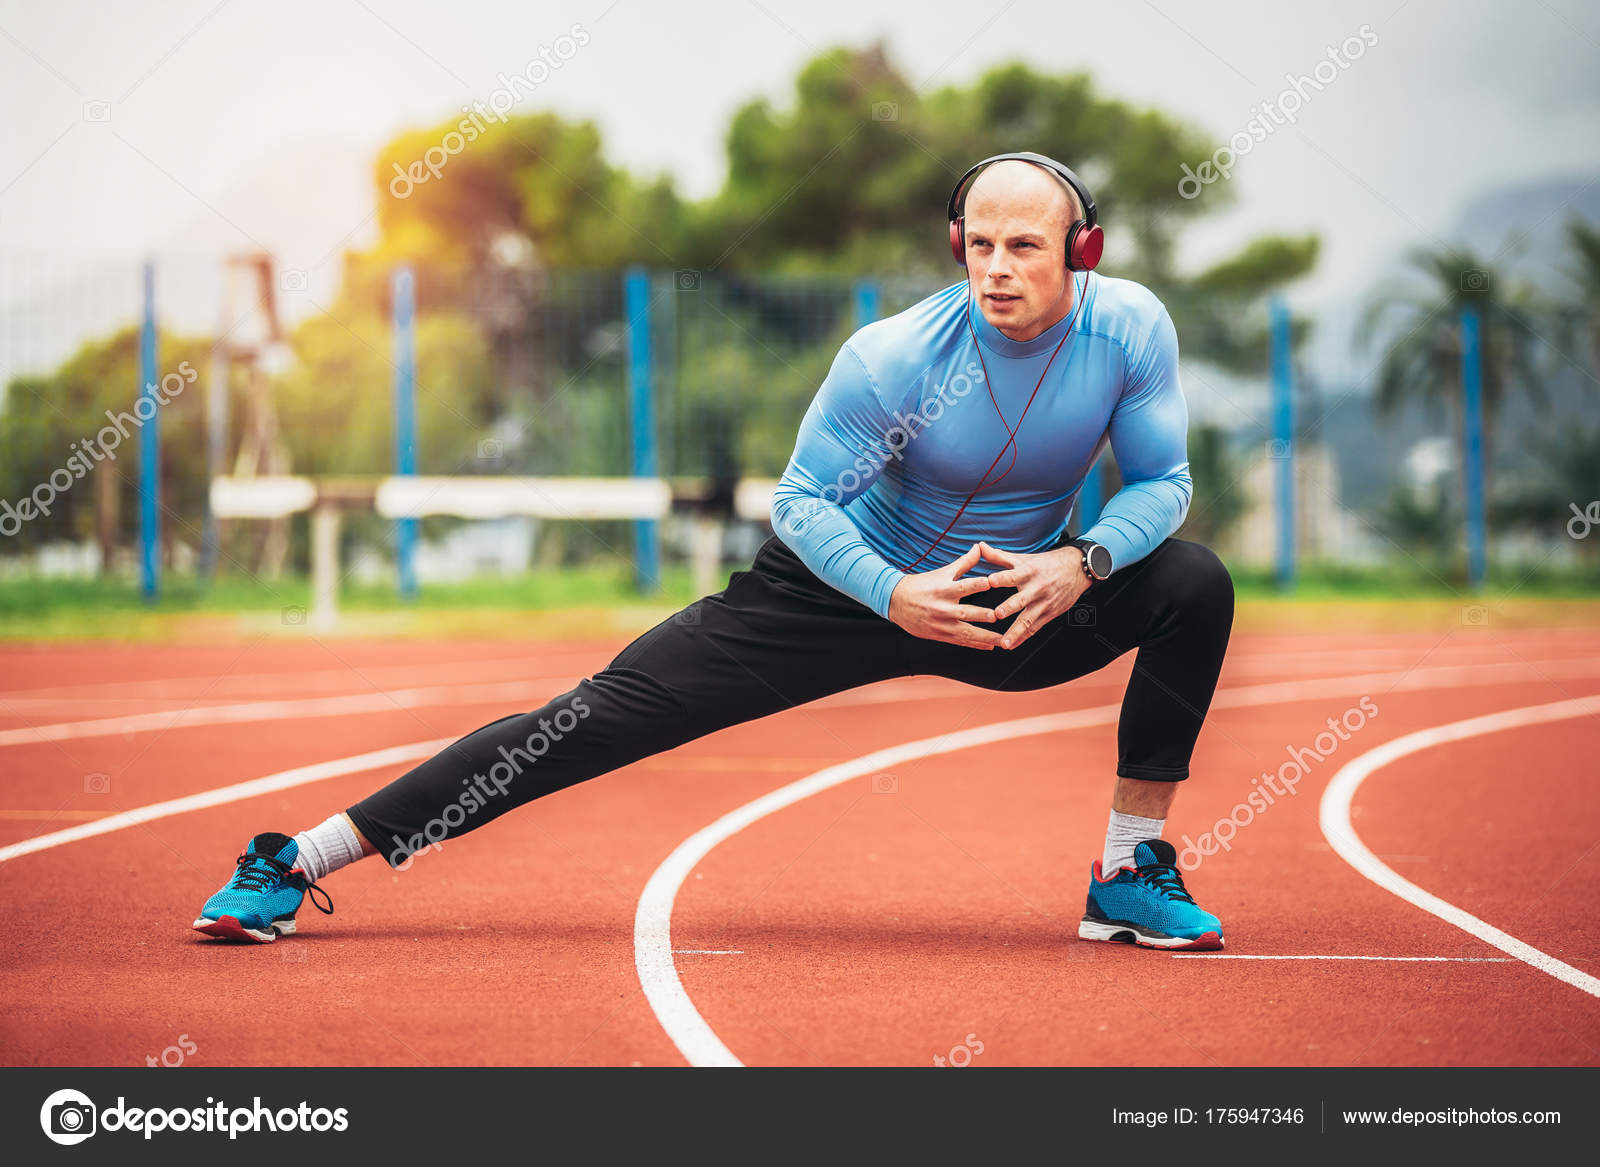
x=149 y=447
x=1472 y=392
x=405 y=417
x=1282 y=449
x=641 y=394
x=866 y=302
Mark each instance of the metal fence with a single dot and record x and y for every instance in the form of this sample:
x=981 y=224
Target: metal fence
x=703 y=377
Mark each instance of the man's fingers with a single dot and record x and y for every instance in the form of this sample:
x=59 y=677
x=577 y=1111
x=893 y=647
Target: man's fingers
x=972 y=613
x=966 y=563
x=995 y=555
x=1021 y=628
x=974 y=637
x=1013 y=605
x=1007 y=579
x=965 y=587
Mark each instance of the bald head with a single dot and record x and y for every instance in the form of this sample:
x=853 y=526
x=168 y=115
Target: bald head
x=1016 y=219
x=1020 y=191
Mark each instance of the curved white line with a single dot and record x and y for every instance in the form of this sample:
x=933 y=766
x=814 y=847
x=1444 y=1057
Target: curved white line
x=1334 y=819
x=652 y=925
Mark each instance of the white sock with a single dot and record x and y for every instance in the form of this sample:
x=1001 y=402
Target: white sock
x=326 y=848
x=1123 y=834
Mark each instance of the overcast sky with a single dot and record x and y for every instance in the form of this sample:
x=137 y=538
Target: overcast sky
x=1453 y=99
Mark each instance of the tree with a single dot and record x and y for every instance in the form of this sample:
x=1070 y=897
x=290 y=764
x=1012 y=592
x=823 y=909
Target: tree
x=50 y=419
x=1578 y=314
x=1420 y=324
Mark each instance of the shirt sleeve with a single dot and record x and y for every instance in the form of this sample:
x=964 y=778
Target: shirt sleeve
x=842 y=447
x=1149 y=433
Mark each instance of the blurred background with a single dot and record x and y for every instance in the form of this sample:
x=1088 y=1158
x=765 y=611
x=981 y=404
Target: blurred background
x=578 y=268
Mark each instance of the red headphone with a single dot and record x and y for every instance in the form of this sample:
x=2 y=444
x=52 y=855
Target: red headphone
x=1085 y=240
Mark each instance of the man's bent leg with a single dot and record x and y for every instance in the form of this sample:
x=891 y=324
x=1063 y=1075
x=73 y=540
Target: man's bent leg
x=777 y=637
x=1175 y=606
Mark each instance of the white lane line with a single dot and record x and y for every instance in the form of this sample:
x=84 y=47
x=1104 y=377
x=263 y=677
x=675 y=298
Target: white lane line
x=304 y=681
x=652 y=923
x=708 y=951
x=283 y=780
x=891 y=692
x=293 y=709
x=1334 y=818
x=1401 y=959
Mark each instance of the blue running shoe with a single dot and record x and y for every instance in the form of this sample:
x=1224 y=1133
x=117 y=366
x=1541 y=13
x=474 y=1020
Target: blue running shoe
x=1147 y=904
x=258 y=904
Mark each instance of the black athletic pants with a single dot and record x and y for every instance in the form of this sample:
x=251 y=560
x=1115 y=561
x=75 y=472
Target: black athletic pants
x=778 y=637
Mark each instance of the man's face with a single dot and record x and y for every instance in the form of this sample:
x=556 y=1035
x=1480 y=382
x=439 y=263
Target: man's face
x=1016 y=223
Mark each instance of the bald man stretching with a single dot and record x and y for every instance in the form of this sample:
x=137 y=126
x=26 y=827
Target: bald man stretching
x=920 y=529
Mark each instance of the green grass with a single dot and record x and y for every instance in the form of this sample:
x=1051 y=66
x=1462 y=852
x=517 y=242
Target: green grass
x=600 y=599
x=1407 y=580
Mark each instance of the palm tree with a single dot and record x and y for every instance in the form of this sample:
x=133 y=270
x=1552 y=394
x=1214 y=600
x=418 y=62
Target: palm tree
x=1421 y=326
x=1562 y=492
x=1578 y=315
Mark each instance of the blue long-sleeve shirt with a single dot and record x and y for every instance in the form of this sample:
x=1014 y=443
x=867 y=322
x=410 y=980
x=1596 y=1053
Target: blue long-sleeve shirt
x=903 y=428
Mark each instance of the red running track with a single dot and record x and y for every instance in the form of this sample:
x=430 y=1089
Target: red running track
x=927 y=911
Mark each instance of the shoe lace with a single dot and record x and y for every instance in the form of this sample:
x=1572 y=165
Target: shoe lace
x=259 y=872
x=1165 y=879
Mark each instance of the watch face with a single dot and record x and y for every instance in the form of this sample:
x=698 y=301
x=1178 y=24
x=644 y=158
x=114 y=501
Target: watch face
x=1098 y=560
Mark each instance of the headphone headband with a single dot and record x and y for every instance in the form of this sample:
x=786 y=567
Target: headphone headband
x=958 y=196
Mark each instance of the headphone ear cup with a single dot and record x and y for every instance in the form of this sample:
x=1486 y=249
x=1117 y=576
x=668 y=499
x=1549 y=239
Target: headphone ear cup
x=1085 y=244
x=958 y=241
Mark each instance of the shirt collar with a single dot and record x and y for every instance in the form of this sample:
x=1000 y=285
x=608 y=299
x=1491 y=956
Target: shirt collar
x=998 y=342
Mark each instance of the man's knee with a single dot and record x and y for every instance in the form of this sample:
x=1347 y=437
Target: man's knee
x=1199 y=579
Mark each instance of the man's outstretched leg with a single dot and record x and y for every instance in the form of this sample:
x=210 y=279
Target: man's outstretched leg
x=775 y=638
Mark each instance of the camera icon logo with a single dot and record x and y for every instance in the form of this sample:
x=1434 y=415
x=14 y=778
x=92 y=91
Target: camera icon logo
x=294 y=615
x=68 y=1117
x=292 y=280
x=686 y=280
x=1278 y=448
x=97 y=783
x=97 y=111
x=1475 y=616
x=885 y=784
x=491 y=450
x=1081 y=615
x=1475 y=279
x=885 y=111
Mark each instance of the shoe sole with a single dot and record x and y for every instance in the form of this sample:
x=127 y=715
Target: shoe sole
x=1119 y=932
x=228 y=928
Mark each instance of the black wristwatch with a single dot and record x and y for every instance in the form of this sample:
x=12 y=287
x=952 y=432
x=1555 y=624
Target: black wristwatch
x=1096 y=559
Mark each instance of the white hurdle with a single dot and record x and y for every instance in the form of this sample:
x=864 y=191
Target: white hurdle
x=414 y=497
